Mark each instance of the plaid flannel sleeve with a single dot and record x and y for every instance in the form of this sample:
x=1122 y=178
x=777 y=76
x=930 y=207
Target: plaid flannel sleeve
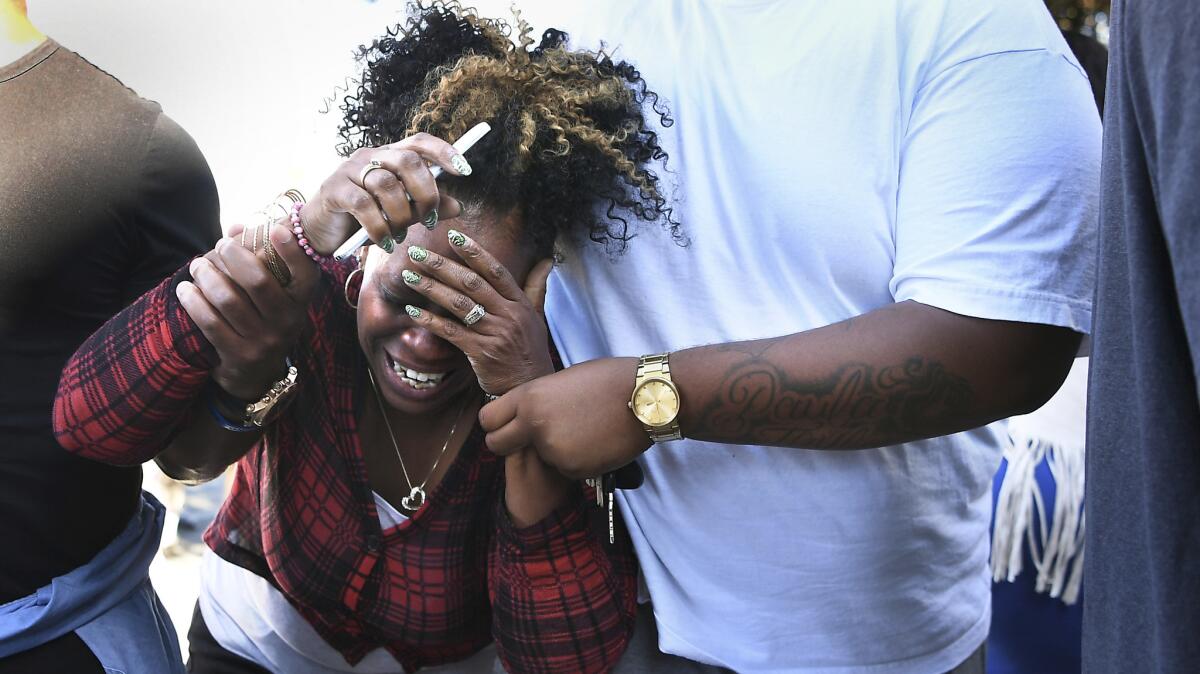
x=131 y=385
x=563 y=598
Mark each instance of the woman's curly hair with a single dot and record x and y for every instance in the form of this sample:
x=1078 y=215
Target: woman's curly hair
x=569 y=144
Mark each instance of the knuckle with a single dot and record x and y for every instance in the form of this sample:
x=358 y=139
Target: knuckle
x=410 y=160
x=461 y=302
x=497 y=271
x=435 y=261
x=360 y=153
x=258 y=282
x=420 y=137
x=472 y=281
x=219 y=297
x=452 y=329
x=254 y=352
x=425 y=203
x=382 y=179
x=203 y=319
x=359 y=201
x=268 y=345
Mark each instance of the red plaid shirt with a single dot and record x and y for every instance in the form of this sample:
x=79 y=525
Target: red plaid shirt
x=555 y=597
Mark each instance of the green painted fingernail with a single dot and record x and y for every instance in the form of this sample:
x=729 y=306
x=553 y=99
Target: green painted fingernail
x=431 y=220
x=460 y=165
x=417 y=253
x=412 y=311
x=387 y=244
x=412 y=278
x=457 y=238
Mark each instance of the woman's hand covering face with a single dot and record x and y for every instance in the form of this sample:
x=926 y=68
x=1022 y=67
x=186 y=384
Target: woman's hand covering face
x=508 y=346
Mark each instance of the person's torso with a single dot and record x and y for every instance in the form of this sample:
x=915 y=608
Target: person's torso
x=1143 y=444
x=251 y=618
x=302 y=514
x=789 y=119
x=71 y=139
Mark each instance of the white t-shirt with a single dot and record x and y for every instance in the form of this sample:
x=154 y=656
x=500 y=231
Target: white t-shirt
x=833 y=158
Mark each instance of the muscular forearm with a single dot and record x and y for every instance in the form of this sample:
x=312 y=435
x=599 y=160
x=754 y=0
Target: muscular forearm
x=904 y=372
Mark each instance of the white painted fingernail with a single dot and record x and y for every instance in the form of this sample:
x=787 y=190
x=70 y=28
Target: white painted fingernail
x=460 y=165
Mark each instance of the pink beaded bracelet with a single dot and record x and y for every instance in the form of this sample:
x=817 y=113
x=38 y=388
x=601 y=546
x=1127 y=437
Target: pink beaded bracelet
x=298 y=230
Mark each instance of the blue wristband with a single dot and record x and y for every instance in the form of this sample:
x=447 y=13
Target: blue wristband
x=225 y=422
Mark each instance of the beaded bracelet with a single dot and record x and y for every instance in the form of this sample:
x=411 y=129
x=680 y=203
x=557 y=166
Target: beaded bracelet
x=298 y=230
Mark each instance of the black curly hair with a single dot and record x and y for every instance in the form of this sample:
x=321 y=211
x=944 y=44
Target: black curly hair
x=569 y=146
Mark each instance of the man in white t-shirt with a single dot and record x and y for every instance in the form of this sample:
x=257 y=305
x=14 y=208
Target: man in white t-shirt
x=890 y=208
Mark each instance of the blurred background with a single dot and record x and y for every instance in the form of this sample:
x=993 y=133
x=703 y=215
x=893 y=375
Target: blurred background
x=257 y=85
x=249 y=80
x=246 y=79
x=1089 y=17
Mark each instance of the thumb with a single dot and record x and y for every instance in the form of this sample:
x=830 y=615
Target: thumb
x=535 y=284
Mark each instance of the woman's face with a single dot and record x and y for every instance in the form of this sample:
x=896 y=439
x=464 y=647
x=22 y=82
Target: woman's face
x=416 y=371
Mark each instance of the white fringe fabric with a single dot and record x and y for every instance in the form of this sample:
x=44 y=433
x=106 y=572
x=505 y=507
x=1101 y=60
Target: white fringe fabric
x=1054 y=434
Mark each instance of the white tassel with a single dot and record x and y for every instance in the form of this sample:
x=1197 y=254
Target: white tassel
x=1056 y=543
x=1014 y=507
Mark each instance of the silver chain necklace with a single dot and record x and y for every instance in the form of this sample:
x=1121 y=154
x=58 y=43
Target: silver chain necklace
x=416 y=494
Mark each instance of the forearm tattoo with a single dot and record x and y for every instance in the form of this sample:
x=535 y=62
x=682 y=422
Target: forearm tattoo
x=859 y=405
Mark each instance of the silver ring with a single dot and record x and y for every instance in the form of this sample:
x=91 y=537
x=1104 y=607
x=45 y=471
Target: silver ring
x=477 y=312
x=371 y=166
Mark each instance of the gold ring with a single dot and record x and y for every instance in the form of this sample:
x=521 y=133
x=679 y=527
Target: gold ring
x=371 y=166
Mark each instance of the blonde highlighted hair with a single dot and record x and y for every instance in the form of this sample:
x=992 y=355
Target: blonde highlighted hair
x=571 y=147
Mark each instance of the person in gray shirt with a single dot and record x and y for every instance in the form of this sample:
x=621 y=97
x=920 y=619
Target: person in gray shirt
x=1142 y=574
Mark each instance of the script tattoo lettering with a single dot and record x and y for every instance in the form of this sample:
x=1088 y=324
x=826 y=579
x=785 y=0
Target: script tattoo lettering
x=856 y=406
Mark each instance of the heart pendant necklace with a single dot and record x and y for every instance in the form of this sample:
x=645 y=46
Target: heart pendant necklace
x=416 y=494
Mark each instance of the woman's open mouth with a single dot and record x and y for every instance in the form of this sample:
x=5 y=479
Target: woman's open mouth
x=415 y=379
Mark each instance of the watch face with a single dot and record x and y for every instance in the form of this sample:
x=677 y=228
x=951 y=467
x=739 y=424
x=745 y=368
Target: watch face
x=655 y=403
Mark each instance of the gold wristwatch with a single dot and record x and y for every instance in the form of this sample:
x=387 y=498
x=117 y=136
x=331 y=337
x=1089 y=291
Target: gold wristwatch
x=260 y=413
x=655 y=399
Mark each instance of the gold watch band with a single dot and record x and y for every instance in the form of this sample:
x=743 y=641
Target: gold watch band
x=651 y=365
x=263 y=410
x=658 y=366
